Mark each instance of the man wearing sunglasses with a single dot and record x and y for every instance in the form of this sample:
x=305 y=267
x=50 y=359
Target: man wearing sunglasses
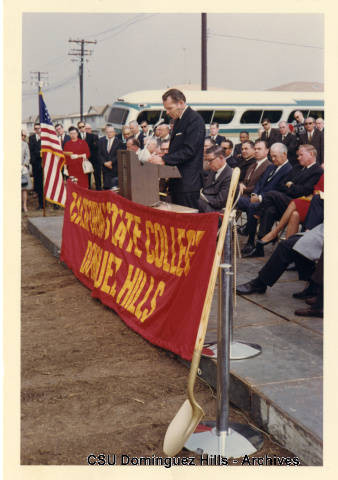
x=313 y=137
x=270 y=135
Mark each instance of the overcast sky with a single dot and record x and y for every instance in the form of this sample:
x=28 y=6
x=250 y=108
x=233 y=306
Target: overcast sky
x=154 y=51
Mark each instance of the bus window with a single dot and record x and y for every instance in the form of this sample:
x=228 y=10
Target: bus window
x=291 y=117
x=206 y=115
x=273 y=115
x=223 y=116
x=118 y=115
x=316 y=114
x=151 y=116
x=251 y=116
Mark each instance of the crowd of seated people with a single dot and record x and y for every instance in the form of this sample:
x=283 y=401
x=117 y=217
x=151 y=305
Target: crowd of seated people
x=281 y=175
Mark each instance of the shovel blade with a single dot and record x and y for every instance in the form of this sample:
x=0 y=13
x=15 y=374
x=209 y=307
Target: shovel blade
x=181 y=427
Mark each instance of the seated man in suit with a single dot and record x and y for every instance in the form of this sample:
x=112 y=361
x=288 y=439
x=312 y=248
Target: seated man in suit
x=299 y=182
x=304 y=251
x=243 y=137
x=314 y=137
x=214 y=128
x=247 y=158
x=228 y=148
x=270 y=180
x=270 y=135
x=108 y=147
x=214 y=194
x=290 y=140
x=256 y=170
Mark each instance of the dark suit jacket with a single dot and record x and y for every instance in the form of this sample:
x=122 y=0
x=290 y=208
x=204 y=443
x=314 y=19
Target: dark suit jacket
x=186 y=152
x=232 y=162
x=290 y=141
x=65 y=140
x=317 y=141
x=34 y=150
x=303 y=181
x=216 y=191
x=266 y=184
x=219 y=139
x=238 y=150
x=273 y=137
x=252 y=176
x=92 y=141
x=104 y=156
x=243 y=165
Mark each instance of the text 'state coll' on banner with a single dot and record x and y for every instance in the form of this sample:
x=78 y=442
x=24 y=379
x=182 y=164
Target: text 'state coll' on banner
x=150 y=266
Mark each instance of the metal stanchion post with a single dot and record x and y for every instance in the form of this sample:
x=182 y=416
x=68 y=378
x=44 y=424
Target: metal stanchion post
x=221 y=437
x=238 y=350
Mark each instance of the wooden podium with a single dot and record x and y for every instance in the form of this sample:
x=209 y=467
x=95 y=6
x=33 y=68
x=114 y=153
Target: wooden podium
x=140 y=182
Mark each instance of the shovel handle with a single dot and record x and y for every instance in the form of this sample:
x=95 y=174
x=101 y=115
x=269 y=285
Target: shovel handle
x=211 y=287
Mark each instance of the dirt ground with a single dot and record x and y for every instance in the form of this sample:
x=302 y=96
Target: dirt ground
x=89 y=384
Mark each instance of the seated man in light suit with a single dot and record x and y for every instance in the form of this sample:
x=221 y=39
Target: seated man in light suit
x=215 y=191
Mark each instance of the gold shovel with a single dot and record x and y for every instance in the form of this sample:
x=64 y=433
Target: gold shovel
x=190 y=414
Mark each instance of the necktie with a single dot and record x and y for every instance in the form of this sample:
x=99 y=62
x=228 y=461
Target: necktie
x=271 y=175
x=109 y=144
x=310 y=137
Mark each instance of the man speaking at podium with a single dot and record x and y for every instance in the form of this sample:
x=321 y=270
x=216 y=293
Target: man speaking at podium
x=185 y=149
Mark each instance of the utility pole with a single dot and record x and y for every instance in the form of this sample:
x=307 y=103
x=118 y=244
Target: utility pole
x=39 y=79
x=204 y=51
x=81 y=53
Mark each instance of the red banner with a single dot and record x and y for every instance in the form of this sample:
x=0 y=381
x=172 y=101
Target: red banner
x=151 y=266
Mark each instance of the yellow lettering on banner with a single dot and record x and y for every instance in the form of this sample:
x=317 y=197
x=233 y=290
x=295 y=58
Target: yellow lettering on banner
x=128 y=285
x=120 y=234
x=142 y=278
x=78 y=206
x=150 y=254
x=71 y=208
x=99 y=277
x=159 y=291
x=129 y=217
x=136 y=235
x=166 y=266
x=107 y=230
x=180 y=236
x=116 y=212
x=138 y=311
x=109 y=272
x=85 y=258
x=159 y=245
x=173 y=252
x=191 y=235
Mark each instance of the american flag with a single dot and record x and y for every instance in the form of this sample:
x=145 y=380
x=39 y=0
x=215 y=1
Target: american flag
x=52 y=158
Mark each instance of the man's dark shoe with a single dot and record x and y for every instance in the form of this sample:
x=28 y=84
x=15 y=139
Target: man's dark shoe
x=257 y=251
x=243 y=230
x=311 y=300
x=308 y=292
x=248 y=247
x=251 y=287
x=309 y=312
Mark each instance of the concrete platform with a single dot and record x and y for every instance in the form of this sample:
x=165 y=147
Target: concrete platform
x=281 y=389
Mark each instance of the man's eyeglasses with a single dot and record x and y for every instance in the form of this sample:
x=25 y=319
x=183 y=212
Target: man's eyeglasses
x=265 y=124
x=81 y=126
x=211 y=159
x=308 y=123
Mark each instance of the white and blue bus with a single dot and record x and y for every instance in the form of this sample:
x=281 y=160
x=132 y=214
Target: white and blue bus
x=233 y=110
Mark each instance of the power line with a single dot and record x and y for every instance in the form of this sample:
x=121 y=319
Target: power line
x=264 y=41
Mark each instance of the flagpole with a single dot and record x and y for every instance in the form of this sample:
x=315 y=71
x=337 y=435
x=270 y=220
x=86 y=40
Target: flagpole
x=43 y=173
